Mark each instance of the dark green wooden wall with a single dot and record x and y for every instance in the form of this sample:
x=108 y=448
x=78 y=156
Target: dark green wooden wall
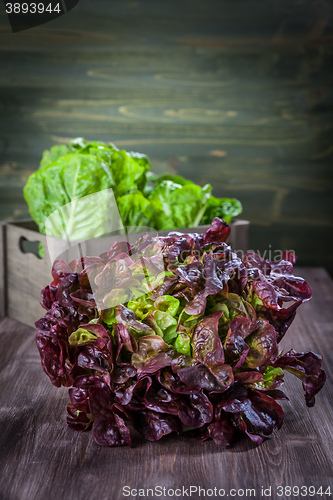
x=236 y=93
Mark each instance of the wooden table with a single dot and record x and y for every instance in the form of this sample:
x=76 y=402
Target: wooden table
x=40 y=458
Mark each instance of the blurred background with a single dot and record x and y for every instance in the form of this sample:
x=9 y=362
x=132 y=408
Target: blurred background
x=238 y=94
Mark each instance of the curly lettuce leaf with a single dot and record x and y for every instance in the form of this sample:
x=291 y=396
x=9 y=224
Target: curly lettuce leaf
x=50 y=156
x=129 y=174
x=74 y=146
x=175 y=206
x=177 y=179
x=100 y=150
x=307 y=367
x=224 y=208
x=145 y=199
x=182 y=344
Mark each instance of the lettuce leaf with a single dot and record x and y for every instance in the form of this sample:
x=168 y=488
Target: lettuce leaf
x=135 y=210
x=175 y=206
x=146 y=363
x=69 y=178
x=144 y=198
x=224 y=208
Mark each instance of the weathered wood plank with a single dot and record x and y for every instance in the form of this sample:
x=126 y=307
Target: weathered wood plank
x=27 y=275
x=41 y=457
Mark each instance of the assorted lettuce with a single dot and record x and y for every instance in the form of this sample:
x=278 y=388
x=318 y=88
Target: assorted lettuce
x=196 y=353
x=78 y=169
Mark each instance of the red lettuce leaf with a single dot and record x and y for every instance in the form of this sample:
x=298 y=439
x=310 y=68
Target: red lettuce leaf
x=307 y=367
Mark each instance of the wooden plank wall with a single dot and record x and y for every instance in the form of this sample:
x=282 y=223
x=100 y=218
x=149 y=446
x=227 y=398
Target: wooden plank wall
x=238 y=94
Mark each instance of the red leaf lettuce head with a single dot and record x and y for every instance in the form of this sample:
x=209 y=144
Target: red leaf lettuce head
x=174 y=334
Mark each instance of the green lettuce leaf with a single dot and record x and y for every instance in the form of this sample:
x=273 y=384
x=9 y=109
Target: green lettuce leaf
x=69 y=178
x=81 y=336
x=134 y=209
x=224 y=208
x=164 y=202
x=168 y=304
x=100 y=150
x=175 y=206
x=140 y=159
x=177 y=179
x=129 y=174
x=141 y=306
x=182 y=344
x=50 y=156
x=74 y=146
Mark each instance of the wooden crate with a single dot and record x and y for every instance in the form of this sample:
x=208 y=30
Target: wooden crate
x=23 y=275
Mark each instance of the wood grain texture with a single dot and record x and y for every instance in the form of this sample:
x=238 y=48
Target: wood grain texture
x=27 y=275
x=41 y=458
x=238 y=94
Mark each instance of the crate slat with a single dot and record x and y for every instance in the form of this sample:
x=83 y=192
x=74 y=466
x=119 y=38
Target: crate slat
x=27 y=275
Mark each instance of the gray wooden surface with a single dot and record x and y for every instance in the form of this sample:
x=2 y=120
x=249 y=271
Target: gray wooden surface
x=40 y=458
x=235 y=93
